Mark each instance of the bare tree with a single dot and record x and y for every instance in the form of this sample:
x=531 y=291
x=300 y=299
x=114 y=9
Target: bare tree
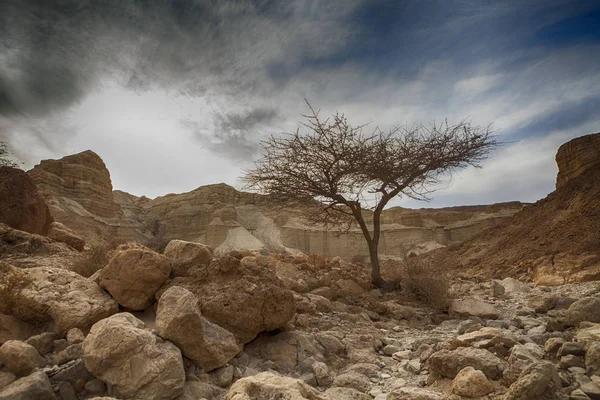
x=338 y=172
x=5 y=160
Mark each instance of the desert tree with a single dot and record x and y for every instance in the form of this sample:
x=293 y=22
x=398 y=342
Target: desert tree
x=344 y=175
x=5 y=160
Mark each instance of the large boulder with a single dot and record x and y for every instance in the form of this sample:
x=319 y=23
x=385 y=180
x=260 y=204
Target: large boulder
x=47 y=293
x=134 y=274
x=179 y=320
x=137 y=363
x=587 y=309
x=268 y=385
x=36 y=386
x=185 y=255
x=475 y=308
x=21 y=206
x=448 y=363
x=19 y=357
x=539 y=381
x=244 y=299
x=61 y=233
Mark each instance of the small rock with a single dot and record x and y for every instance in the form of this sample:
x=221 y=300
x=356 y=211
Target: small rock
x=60 y=345
x=74 y=336
x=573 y=348
x=72 y=352
x=591 y=390
x=470 y=382
x=19 y=357
x=570 y=360
x=95 y=386
x=587 y=309
x=401 y=355
x=33 y=387
x=473 y=307
x=222 y=376
x=414 y=366
x=43 y=343
x=390 y=349
x=66 y=391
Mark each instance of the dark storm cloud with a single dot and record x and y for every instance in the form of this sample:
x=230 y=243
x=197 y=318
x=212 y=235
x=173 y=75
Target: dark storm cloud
x=236 y=134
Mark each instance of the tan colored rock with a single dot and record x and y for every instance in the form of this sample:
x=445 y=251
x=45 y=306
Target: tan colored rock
x=245 y=300
x=537 y=381
x=353 y=380
x=61 y=233
x=65 y=297
x=268 y=385
x=36 y=386
x=185 y=255
x=134 y=274
x=21 y=206
x=520 y=358
x=577 y=156
x=178 y=319
x=470 y=382
x=19 y=357
x=589 y=334
x=587 y=309
x=563 y=268
x=475 y=308
x=138 y=364
x=448 y=363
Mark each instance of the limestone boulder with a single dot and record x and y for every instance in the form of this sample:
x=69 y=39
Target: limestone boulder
x=521 y=356
x=243 y=299
x=67 y=298
x=268 y=385
x=470 y=382
x=538 y=381
x=19 y=357
x=448 y=363
x=587 y=309
x=21 y=206
x=178 y=319
x=61 y=233
x=185 y=255
x=35 y=386
x=138 y=364
x=474 y=308
x=134 y=274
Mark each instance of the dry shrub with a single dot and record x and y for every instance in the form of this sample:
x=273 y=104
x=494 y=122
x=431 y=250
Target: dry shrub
x=426 y=281
x=12 y=300
x=92 y=260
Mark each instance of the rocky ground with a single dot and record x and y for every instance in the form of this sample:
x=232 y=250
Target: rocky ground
x=182 y=325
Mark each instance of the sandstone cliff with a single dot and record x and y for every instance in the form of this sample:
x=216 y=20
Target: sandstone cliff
x=576 y=157
x=79 y=192
x=555 y=240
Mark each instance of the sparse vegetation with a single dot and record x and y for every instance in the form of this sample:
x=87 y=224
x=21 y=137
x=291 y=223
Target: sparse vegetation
x=426 y=282
x=92 y=260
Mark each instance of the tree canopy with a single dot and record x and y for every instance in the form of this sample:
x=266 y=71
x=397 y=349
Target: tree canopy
x=347 y=170
x=5 y=160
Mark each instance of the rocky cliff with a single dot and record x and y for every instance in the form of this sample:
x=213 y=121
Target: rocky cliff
x=79 y=192
x=576 y=157
x=555 y=240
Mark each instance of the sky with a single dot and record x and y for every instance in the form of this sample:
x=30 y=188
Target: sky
x=176 y=94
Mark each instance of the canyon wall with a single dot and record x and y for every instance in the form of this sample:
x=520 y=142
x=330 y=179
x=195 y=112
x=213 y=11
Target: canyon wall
x=79 y=192
x=577 y=156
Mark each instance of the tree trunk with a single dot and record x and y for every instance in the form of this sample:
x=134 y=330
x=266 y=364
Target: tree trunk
x=375 y=270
